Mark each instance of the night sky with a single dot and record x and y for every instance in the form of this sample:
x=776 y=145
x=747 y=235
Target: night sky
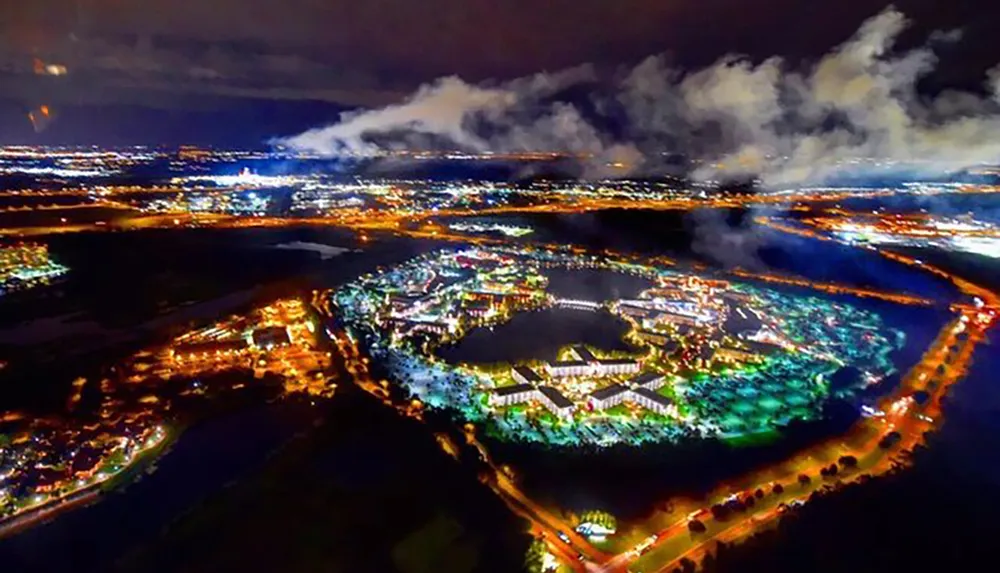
x=284 y=65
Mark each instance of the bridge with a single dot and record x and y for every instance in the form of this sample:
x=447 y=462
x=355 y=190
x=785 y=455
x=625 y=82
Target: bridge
x=577 y=304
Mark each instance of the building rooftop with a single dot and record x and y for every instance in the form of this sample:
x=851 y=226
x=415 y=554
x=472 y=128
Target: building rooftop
x=210 y=346
x=477 y=303
x=653 y=396
x=761 y=347
x=617 y=361
x=528 y=374
x=645 y=378
x=556 y=397
x=270 y=336
x=608 y=392
x=648 y=332
x=566 y=363
x=511 y=390
x=583 y=353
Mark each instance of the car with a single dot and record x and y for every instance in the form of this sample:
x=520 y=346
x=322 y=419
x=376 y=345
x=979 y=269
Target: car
x=563 y=536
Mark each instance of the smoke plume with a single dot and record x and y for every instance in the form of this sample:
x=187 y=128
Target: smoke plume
x=854 y=109
x=725 y=244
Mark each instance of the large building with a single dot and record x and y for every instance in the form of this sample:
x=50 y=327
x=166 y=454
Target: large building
x=516 y=394
x=209 y=349
x=548 y=396
x=525 y=375
x=679 y=317
x=564 y=368
x=587 y=364
x=556 y=403
x=635 y=310
x=652 y=401
x=649 y=380
x=413 y=326
x=607 y=397
x=653 y=337
x=641 y=390
x=611 y=367
x=478 y=306
x=270 y=336
x=730 y=354
x=583 y=353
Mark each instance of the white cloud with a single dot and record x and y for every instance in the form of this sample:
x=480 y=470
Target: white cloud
x=736 y=117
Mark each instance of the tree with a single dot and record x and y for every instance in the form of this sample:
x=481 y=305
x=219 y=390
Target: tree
x=759 y=494
x=804 y=479
x=720 y=512
x=601 y=518
x=696 y=526
x=778 y=489
x=534 y=560
x=848 y=461
x=889 y=440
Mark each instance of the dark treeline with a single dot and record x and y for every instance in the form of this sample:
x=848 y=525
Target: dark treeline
x=923 y=519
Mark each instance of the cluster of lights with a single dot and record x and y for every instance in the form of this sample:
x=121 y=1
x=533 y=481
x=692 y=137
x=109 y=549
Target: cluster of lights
x=247 y=203
x=245 y=178
x=45 y=461
x=951 y=234
x=26 y=265
x=506 y=230
x=708 y=373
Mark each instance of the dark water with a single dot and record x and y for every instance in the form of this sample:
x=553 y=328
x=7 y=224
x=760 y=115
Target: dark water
x=538 y=335
x=972 y=424
x=594 y=284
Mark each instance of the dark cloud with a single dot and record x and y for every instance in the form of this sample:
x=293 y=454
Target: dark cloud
x=198 y=53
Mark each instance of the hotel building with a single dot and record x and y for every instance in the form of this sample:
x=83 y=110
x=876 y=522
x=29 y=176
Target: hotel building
x=607 y=397
x=556 y=403
x=509 y=395
x=652 y=401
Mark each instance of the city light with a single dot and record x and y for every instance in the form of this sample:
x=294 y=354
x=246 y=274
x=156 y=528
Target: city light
x=27 y=265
